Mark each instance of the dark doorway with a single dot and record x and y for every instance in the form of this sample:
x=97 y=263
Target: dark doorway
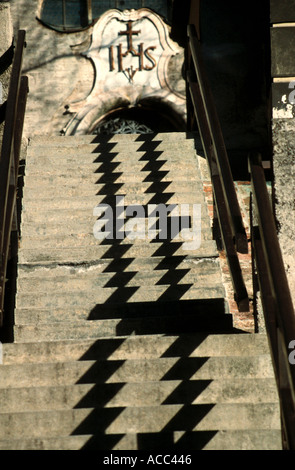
x=235 y=45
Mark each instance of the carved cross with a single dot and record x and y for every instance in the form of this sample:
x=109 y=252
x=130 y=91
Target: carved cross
x=129 y=33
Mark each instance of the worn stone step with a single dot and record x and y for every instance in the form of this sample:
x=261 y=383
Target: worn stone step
x=114 y=153
x=109 y=138
x=65 y=240
x=198 y=273
x=153 y=315
x=257 y=439
x=136 y=370
x=90 y=230
x=85 y=253
x=74 y=188
x=112 y=168
x=101 y=295
x=117 y=178
x=137 y=347
x=99 y=147
x=155 y=324
x=83 y=282
x=96 y=267
x=133 y=220
x=43 y=204
x=120 y=209
x=53 y=234
x=127 y=157
x=166 y=392
x=140 y=419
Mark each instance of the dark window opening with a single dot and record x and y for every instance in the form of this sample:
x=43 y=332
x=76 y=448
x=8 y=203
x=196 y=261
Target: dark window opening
x=76 y=15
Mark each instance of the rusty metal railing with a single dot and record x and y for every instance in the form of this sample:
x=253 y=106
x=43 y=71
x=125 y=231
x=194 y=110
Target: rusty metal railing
x=275 y=296
x=233 y=234
x=9 y=159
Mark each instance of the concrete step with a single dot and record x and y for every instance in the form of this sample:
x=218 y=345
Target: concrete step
x=137 y=347
x=86 y=253
x=258 y=439
x=135 y=371
x=167 y=392
x=91 y=329
x=140 y=420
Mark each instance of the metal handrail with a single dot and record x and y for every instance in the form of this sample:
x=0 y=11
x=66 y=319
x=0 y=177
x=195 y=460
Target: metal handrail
x=9 y=159
x=231 y=225
x=275 y=294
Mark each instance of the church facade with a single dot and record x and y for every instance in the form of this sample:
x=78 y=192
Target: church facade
x=112 y=67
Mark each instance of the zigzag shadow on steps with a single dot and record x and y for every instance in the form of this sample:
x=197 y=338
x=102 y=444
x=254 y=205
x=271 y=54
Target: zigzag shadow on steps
x=163 y=441
x=169 y=314
x=104 y=415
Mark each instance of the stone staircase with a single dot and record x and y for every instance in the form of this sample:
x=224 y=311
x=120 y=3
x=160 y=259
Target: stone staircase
x=126 y=343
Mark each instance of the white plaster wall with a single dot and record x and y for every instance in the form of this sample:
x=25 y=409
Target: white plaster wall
x=55 y=72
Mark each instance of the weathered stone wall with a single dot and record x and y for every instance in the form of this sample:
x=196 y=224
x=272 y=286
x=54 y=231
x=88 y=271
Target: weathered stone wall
x=5 y=43
x=284 y=192
x=283 y=129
